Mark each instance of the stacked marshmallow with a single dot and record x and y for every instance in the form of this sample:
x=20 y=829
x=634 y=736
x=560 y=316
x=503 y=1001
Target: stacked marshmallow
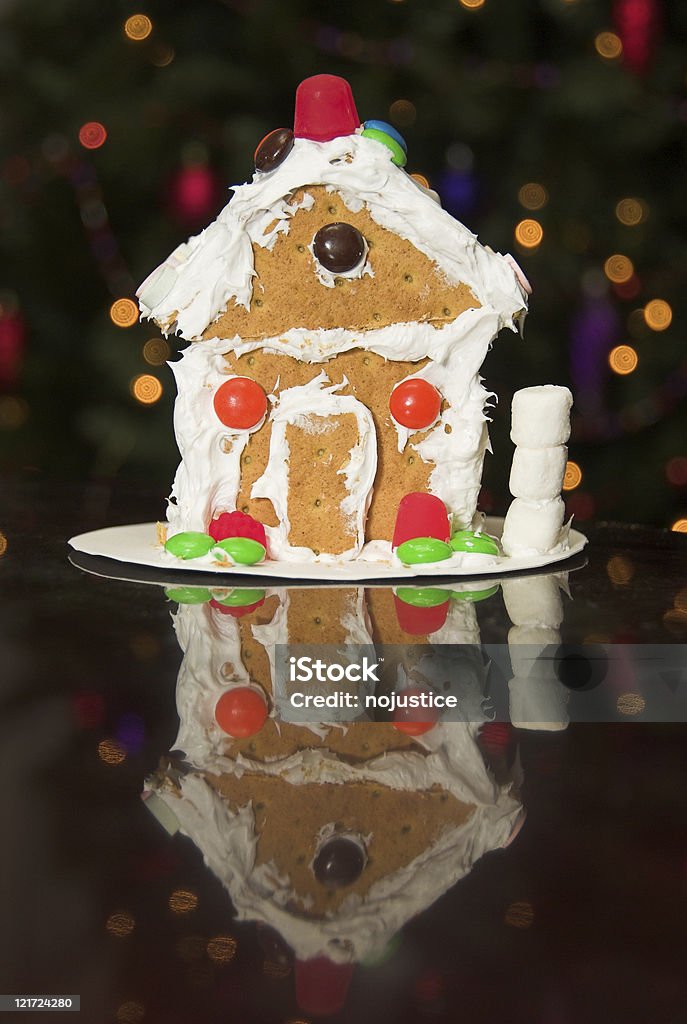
x=538 y=700
x=540 y=428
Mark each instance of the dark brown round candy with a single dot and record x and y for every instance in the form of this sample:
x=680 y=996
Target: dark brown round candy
x=339 y=247
x=339 y=862
x=273 y=149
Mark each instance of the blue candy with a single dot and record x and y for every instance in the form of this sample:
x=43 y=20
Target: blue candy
x=383 y=126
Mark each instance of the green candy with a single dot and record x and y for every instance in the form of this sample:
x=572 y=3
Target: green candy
x=188 y=595
x=423 y=549
x=397 y=154
x=422 y=597
x=479 y=543
x=241 y=597
x=474 y=595
x=243 y=550
x=190 y=544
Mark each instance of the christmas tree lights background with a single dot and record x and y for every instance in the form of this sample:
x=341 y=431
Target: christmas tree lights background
x=555 y=129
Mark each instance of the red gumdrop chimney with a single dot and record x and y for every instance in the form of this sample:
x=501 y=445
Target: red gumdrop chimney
x=325 y=109
x=321 y=985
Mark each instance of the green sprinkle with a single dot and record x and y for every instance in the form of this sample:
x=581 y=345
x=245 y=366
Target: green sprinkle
x=478 y=543
x=241 y=596
x=189 y=545
x=398 y=156
x=422 y=597
x=474 y=595
x=243 y=550
x=188 y=595
x=423 y=549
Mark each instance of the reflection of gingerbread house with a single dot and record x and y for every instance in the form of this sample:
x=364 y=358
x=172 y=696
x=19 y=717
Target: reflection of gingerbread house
x=339 y=320
x=333 y=835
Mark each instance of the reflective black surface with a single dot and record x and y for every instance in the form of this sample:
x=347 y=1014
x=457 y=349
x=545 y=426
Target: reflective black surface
x=582 y=918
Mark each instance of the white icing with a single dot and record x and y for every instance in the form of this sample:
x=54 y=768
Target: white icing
x=298 y=406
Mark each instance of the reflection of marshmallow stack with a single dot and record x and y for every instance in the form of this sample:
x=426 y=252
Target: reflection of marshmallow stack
x=540 y=427
x=537 y=698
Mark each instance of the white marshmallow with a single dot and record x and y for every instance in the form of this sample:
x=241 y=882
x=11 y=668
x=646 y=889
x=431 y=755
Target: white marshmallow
x=537 y=473
x=540 y=416
x=538 y=704
x=532 y=651
x=532 y=527
x=533 y=600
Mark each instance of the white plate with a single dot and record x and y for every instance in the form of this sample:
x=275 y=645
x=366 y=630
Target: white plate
x=137 y=545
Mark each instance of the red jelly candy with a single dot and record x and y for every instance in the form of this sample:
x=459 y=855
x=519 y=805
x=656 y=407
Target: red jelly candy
x=414 y=721
x=325 y=109
x=240 y=403
x=237 y=611
x=237 y=524
x=322 y=986
x=415 y=403
x=241 y=712
x=420 y=515
x=420 y=621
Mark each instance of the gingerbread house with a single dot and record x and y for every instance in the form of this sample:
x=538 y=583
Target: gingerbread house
x=338 y=320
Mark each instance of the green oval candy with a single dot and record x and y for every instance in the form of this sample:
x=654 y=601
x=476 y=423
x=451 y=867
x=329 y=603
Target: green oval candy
x=397 y=154
x=422 y=597
x=188 y=595
x=241 y=596
x=423 y=549
x=478 y=543
x=474 y=595
x=243 y=550
x=190 y=544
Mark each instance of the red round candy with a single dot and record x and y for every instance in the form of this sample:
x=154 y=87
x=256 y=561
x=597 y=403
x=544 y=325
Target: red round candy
x=241 y=712
x=240 y=403
x=237 y=524
x=415 y=403
x=414 y=721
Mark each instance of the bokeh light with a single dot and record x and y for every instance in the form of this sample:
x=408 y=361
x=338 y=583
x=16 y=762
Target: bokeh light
x=131 y=1012
x=14 y=412
x=676 y=471
x=658 y=315
x=630 y=211
x=529 y=233
x=630 y=704
x=162 y=55
x=111 y=752
x=623 y=359
x=403 y=113
x=421 y=180
x=519 y=914
x=92 y=134
x=222 y=949
x=680 y=525
x=618 y=269
x=472 y=4
x=182 y=901
x=572 y=477
x=156 y=351
x=620 y=570
x=533 y=196
x=124 y=313
x=3 y=543
x=146 y=389
x=120 y=924
x=608 y=45
x=138 y=27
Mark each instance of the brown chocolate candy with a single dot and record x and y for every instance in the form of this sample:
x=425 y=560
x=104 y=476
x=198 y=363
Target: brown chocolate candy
x=339 y=862
x=339 y=247
x=273 y=149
